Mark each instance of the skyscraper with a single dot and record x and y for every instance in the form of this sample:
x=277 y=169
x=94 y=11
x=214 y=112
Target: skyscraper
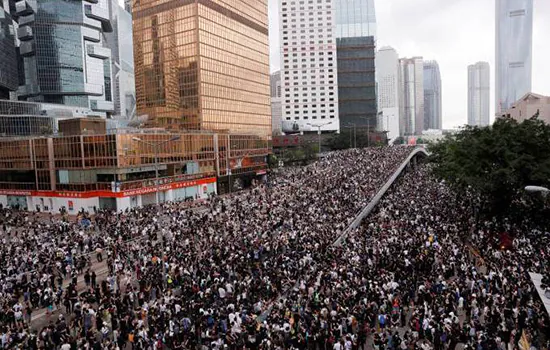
x=309 y=66
x=356 y=81
x=411 y=95
x=387 y=72
x=432 y=96
x=63 y=52
x=276 y=122
x=514 y=39
x=203 y=64
x=8 y=58
x=355 y=18
x=120 y=41
x=478 y=94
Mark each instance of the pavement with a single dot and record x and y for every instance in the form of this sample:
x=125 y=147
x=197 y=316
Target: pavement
x=537 y=281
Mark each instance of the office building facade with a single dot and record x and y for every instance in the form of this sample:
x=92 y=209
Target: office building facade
x=276 y=109
x=64 y=57
x=514 y=45
x=356 y=82
x=479 y=86
x=117 y=170
x=433 y=118
x=309 y=66
x=355 y=18
x=19 y=118
x=8 y=57
x=203 y=64
x=387 y=75
x=411 y=95
x=120 y=42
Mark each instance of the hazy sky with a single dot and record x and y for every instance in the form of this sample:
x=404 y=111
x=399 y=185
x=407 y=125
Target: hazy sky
x=455 y=33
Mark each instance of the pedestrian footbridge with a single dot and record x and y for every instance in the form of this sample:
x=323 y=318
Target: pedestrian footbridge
x=412 y=159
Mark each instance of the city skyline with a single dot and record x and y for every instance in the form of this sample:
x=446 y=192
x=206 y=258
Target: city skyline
x=442 y=36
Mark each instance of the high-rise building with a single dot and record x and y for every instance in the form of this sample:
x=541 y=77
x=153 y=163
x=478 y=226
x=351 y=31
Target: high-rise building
x=355 y=18
x=63 y=52
x=432 y=96
x=128 y=5
x=276 y=111
x=514 y=40
x=479 y=94
x=411 y=95
x=356 y=81
x=120 y=41
x=203 y=64
x=387 y=72
x=309 y=66
x=8 y=58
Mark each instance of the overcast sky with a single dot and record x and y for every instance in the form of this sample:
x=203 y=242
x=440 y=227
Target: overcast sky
x=455 y=33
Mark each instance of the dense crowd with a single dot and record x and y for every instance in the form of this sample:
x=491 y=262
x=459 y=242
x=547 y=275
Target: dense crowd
x=181 y=278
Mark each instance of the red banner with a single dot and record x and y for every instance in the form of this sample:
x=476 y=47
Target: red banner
x=91 y=194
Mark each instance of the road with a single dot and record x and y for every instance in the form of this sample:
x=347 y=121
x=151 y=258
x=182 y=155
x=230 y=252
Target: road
x=40 y=317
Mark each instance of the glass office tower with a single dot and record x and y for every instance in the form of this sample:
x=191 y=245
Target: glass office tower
x=356 y=81
x=432 y=96
x=356 y=50
x=514 y=41
x=203 y=64
x=64 y=57
x=8 y=58
x=355 y=18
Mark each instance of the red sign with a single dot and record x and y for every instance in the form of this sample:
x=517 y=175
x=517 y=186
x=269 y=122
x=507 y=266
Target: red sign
x=110 y=194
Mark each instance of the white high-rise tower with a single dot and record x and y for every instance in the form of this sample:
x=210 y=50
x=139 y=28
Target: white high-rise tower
x=514 y=45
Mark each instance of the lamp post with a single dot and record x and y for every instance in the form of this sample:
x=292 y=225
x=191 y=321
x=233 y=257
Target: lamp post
x=538 y=189
x=319 y=126
x=352 y=126
x=156 y=147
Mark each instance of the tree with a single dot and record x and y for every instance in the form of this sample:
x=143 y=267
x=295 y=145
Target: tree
x=492 y=165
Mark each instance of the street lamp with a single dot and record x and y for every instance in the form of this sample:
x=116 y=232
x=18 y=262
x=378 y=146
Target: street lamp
x=156 y=147
x=538 y=189
x=319 y=126
x=354 y=127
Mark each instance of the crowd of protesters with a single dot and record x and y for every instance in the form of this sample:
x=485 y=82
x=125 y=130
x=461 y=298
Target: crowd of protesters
x=179 y=278
x=260 y=270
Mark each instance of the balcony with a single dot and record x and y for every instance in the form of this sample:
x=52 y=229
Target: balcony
x=27 y=48
x=98 y=51
x=93 y=89
x=24 y=33
x=102 y=106
x=23 y=20
x=22 y=8
x=99 y=14
x=90 y=34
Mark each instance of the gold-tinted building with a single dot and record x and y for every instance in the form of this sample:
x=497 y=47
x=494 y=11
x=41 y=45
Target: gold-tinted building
x=203 y=64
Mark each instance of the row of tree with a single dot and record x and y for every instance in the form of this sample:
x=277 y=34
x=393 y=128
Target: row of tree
x=492 y=166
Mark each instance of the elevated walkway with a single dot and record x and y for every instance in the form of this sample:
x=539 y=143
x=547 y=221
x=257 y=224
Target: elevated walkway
x=411 y=159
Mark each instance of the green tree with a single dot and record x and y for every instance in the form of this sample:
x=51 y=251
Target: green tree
x=492 y=165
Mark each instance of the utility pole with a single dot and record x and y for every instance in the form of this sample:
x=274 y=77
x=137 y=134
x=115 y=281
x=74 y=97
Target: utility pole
x=156 y=147
x=319 y=126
